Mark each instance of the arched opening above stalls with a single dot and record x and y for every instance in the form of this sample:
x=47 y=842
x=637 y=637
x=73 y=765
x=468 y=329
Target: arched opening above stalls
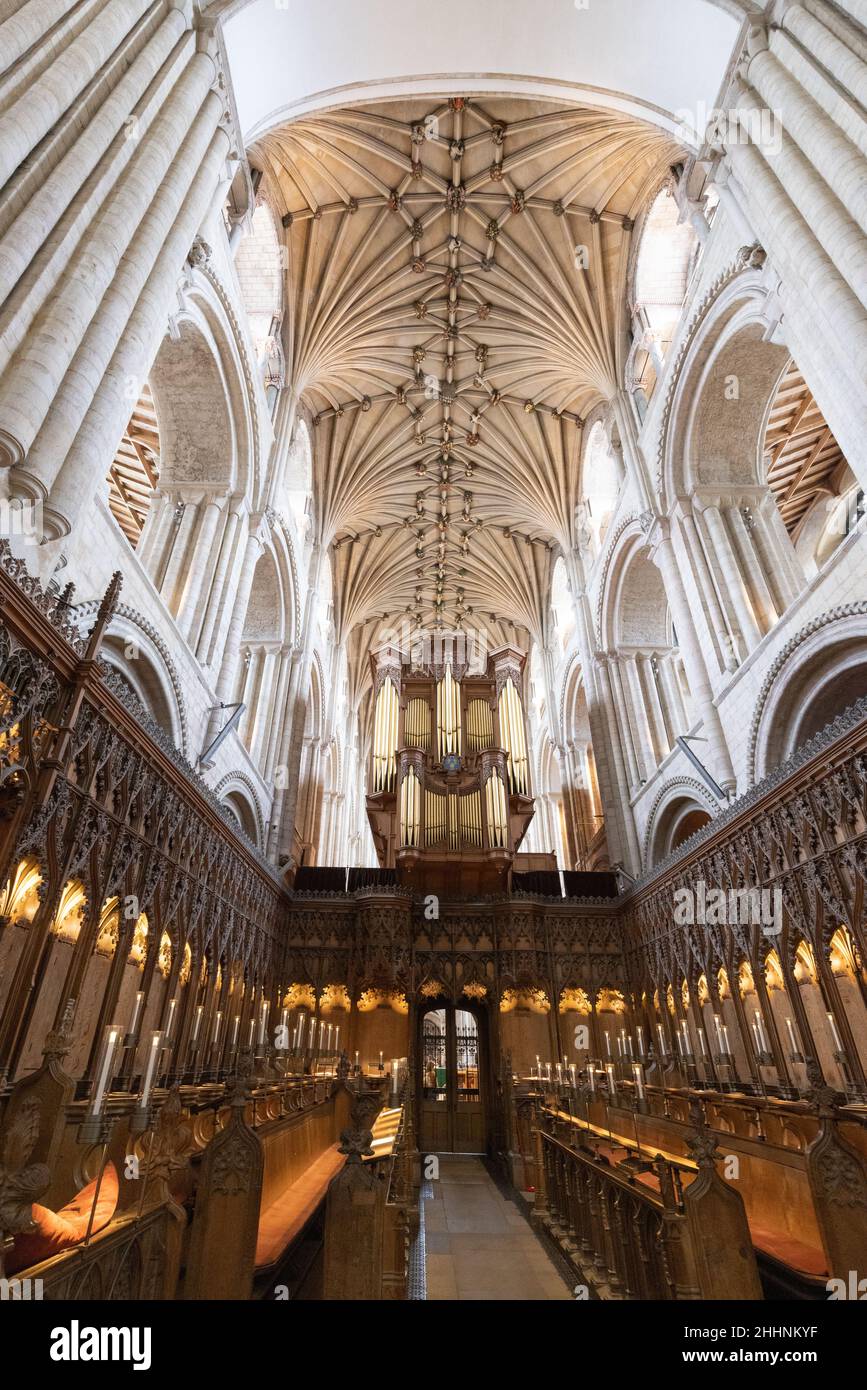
x=680 y=813
x=262 y=646
x=819 y=675
x=135 y=470
x=817 y=494
x=739 y=556
x=195 y=535
x=651 y=700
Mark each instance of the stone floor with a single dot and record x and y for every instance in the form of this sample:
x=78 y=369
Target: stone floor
x=478 y=1244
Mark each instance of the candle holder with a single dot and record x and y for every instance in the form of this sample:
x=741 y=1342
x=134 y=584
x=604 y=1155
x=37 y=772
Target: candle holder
x=765 y=1059
x=95 y=1129
x=142 y=1119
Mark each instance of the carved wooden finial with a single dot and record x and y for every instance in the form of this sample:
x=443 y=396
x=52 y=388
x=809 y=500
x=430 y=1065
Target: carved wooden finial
x=104 y=614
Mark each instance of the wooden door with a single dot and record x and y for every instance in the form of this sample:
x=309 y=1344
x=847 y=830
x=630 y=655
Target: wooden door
x=452 y=1106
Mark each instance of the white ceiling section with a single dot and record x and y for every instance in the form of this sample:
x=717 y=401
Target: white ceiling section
x=650 y=57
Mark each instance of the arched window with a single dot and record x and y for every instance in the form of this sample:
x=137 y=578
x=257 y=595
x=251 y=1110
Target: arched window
x=259 y=266
x=562 y=606
x=600 y=486
x=299 y=476
x=666 y=256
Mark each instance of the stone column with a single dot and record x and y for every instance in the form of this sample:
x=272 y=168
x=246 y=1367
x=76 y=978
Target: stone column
x=217 y=596
x=662 y=742
x=762 y=599
x=232 y=649
x=733 y=586
x=641 y=724
x=662 y=553
x=49 y=385
x=201 y=564
x=173 y=575
x=706 y=588
x=615 y=671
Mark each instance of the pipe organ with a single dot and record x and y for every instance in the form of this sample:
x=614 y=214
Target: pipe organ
x=449 y=791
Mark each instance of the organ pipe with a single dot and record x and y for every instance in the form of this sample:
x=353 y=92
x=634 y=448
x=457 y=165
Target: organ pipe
x=434 y=817
x=448 y=714
x=497 y=811
x=514 y=738
x=417 y=724
x=385 y=737
x=480 y=725
x=471 y=819
x=410 y=810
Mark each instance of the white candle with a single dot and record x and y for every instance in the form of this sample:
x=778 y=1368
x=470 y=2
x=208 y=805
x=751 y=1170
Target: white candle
x=793 y=1042
x=702 y=1041
x=640 y=1037
x=197 y=1021
x=763 y=1039
x=252 y=1031
x=838 y=1043
x=548 y=1069
x=719 y=1032
x=380 y=1061
x=661 y=1039
x=336 y=1036
x=170 y=1022
x=612 y=1084
x=591 y=1074
x=153 y=1056
x=136 y=1010
x=217 y=1021
x=559 y=1074
x=236 y=1023
x=356 y=1061
x=638 y=1074
x=607 y=1045
x=263 y=1020
x=110 y=1040
x=572 y=1069
x=726 y=1048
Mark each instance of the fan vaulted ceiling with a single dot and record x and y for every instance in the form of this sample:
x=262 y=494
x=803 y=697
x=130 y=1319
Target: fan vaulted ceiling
x=456 y=307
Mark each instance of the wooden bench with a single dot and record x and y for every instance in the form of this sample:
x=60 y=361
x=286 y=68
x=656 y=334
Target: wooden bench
x=284 y=1219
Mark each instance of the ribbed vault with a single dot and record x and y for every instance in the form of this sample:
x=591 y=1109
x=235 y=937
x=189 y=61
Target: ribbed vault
x=456 y=308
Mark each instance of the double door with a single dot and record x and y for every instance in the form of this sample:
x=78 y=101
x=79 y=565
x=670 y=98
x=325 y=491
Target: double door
x=452 y=1103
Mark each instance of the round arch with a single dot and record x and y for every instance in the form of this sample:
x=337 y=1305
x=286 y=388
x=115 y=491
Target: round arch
x=819 y=674
x=295 y=57
x=681 y=809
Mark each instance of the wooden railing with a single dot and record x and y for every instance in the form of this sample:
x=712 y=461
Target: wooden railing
x=657 y=1228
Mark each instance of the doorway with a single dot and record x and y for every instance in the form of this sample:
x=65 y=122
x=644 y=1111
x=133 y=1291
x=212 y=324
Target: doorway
x=452 y=1103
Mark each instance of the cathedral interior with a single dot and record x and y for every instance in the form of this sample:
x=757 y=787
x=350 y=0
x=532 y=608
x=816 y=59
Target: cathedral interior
x=433 y=651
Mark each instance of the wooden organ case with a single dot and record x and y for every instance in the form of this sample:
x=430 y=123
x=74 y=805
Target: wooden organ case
x=449 y=791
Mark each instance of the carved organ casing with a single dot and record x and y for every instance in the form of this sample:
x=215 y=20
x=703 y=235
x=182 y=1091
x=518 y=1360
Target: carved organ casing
x=449 y=791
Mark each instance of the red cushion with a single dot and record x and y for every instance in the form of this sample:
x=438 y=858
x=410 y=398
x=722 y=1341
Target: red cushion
x=60 y=1230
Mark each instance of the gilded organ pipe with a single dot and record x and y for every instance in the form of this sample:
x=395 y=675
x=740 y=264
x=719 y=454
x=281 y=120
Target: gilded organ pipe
x=480 y=725
x=448 y=714
x=417 y=724
x=385 y=737
x=514 y=738
x=410 y=809
x=497 y=811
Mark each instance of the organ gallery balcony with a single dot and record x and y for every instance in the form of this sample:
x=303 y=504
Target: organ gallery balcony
x=449 y=800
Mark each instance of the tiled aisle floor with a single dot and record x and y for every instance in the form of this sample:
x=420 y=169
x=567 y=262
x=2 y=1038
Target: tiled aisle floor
x=479 y=1245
